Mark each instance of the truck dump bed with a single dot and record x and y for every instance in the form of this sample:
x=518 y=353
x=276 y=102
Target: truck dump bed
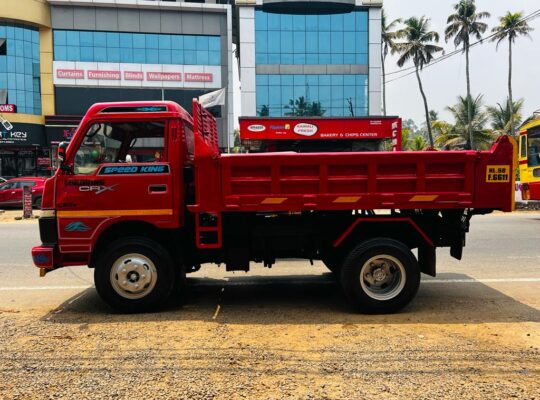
x=349 y=181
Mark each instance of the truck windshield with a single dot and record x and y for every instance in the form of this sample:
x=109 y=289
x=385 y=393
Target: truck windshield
x=120 y=142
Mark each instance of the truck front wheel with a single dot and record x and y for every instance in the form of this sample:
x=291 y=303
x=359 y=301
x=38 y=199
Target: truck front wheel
x=380 y=276
x=134 y=274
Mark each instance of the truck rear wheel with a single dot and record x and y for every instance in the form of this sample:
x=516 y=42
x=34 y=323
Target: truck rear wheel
x=380 y=276
x=134 y=274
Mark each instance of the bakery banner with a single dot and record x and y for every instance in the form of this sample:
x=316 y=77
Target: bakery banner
x=313 y=128
x=69 y=73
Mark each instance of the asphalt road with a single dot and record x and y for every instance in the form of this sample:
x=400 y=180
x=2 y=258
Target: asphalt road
x=502 y=249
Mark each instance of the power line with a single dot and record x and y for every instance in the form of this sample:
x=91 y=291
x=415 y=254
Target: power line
x=457 y=51
x=531 y=16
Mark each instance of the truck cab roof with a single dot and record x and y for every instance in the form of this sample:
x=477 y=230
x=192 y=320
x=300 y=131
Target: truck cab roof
x=138 y=109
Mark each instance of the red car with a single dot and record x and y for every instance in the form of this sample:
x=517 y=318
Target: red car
x=11 y=192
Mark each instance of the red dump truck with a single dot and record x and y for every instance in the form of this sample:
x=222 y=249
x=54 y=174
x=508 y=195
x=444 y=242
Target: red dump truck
x=143 y=196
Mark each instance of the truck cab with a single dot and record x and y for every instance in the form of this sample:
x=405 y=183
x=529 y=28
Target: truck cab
x=123 y=167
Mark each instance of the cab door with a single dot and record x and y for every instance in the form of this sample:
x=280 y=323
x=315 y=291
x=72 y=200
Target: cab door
x=119 y=172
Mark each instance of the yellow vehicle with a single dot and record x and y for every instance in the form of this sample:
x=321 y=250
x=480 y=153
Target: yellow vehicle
x=529 y=158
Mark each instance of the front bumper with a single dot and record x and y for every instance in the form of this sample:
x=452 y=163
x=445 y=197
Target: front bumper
x=43 y=257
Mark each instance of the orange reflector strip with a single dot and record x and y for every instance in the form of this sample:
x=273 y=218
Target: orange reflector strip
x=112 y=213
x=424 y=197
x=347 y=199
x=274 y=200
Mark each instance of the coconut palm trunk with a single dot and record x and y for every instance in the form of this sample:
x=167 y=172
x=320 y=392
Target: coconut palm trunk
x=510 y=100
x=426 y=108
x=512 y=25
x=383 y=84
x=469 y=98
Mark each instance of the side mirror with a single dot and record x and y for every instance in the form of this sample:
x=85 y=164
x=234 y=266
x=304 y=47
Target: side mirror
x=62 y=151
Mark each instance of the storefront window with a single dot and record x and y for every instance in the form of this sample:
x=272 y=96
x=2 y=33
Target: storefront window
x=19 y=66
x=25 y=162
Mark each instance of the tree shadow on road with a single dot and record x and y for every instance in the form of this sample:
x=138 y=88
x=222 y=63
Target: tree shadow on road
x=308 y=299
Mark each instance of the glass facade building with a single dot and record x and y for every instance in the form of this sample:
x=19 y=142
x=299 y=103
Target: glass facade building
x=140 y=48
x=330 y=42
x=311 y=39
x=20 y=66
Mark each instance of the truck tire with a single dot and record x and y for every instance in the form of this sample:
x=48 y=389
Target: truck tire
x=134 y=274
x=380 y=276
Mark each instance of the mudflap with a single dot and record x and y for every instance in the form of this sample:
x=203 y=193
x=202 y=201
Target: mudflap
x=427 y=259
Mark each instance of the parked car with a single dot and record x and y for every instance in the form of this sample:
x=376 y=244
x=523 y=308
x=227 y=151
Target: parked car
x=2 y=180
x=11 y=192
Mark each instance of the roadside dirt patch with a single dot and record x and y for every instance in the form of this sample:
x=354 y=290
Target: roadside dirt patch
x=293 y=343
x=10 y=215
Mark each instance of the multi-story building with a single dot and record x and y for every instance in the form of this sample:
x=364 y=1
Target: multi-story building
x=26 y=90
x=64 y=55
x=319 y=55
x=57 y=57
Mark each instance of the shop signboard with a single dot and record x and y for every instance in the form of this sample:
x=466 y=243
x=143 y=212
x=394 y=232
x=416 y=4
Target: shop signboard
x=8 y=108
x=309 y=128
x=91 y=74
x=60 y=128
x=22 y=134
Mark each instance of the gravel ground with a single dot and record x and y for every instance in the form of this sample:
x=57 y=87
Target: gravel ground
x=275 y=342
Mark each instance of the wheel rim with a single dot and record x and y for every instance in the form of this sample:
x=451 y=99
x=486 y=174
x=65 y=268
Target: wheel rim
x=382 y=277
x=133 y=276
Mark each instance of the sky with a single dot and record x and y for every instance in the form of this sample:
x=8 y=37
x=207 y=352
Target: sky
x=445 y=81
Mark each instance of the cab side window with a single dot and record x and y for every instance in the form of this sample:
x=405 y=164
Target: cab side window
x=120 y=142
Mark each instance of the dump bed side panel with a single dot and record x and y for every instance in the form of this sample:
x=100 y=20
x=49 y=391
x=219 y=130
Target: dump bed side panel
x=331 y=181
x=338 y=181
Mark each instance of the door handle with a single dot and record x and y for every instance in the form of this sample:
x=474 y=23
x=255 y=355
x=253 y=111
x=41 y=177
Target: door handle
x=157 y=188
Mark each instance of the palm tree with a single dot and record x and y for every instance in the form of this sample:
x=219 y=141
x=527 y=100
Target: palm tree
x=501 y=116
x=389 y=35
x=463 y=24
x=419 y=48
x=510 y=27
x=443 y=131
x=418 y=143
x=457 y=136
